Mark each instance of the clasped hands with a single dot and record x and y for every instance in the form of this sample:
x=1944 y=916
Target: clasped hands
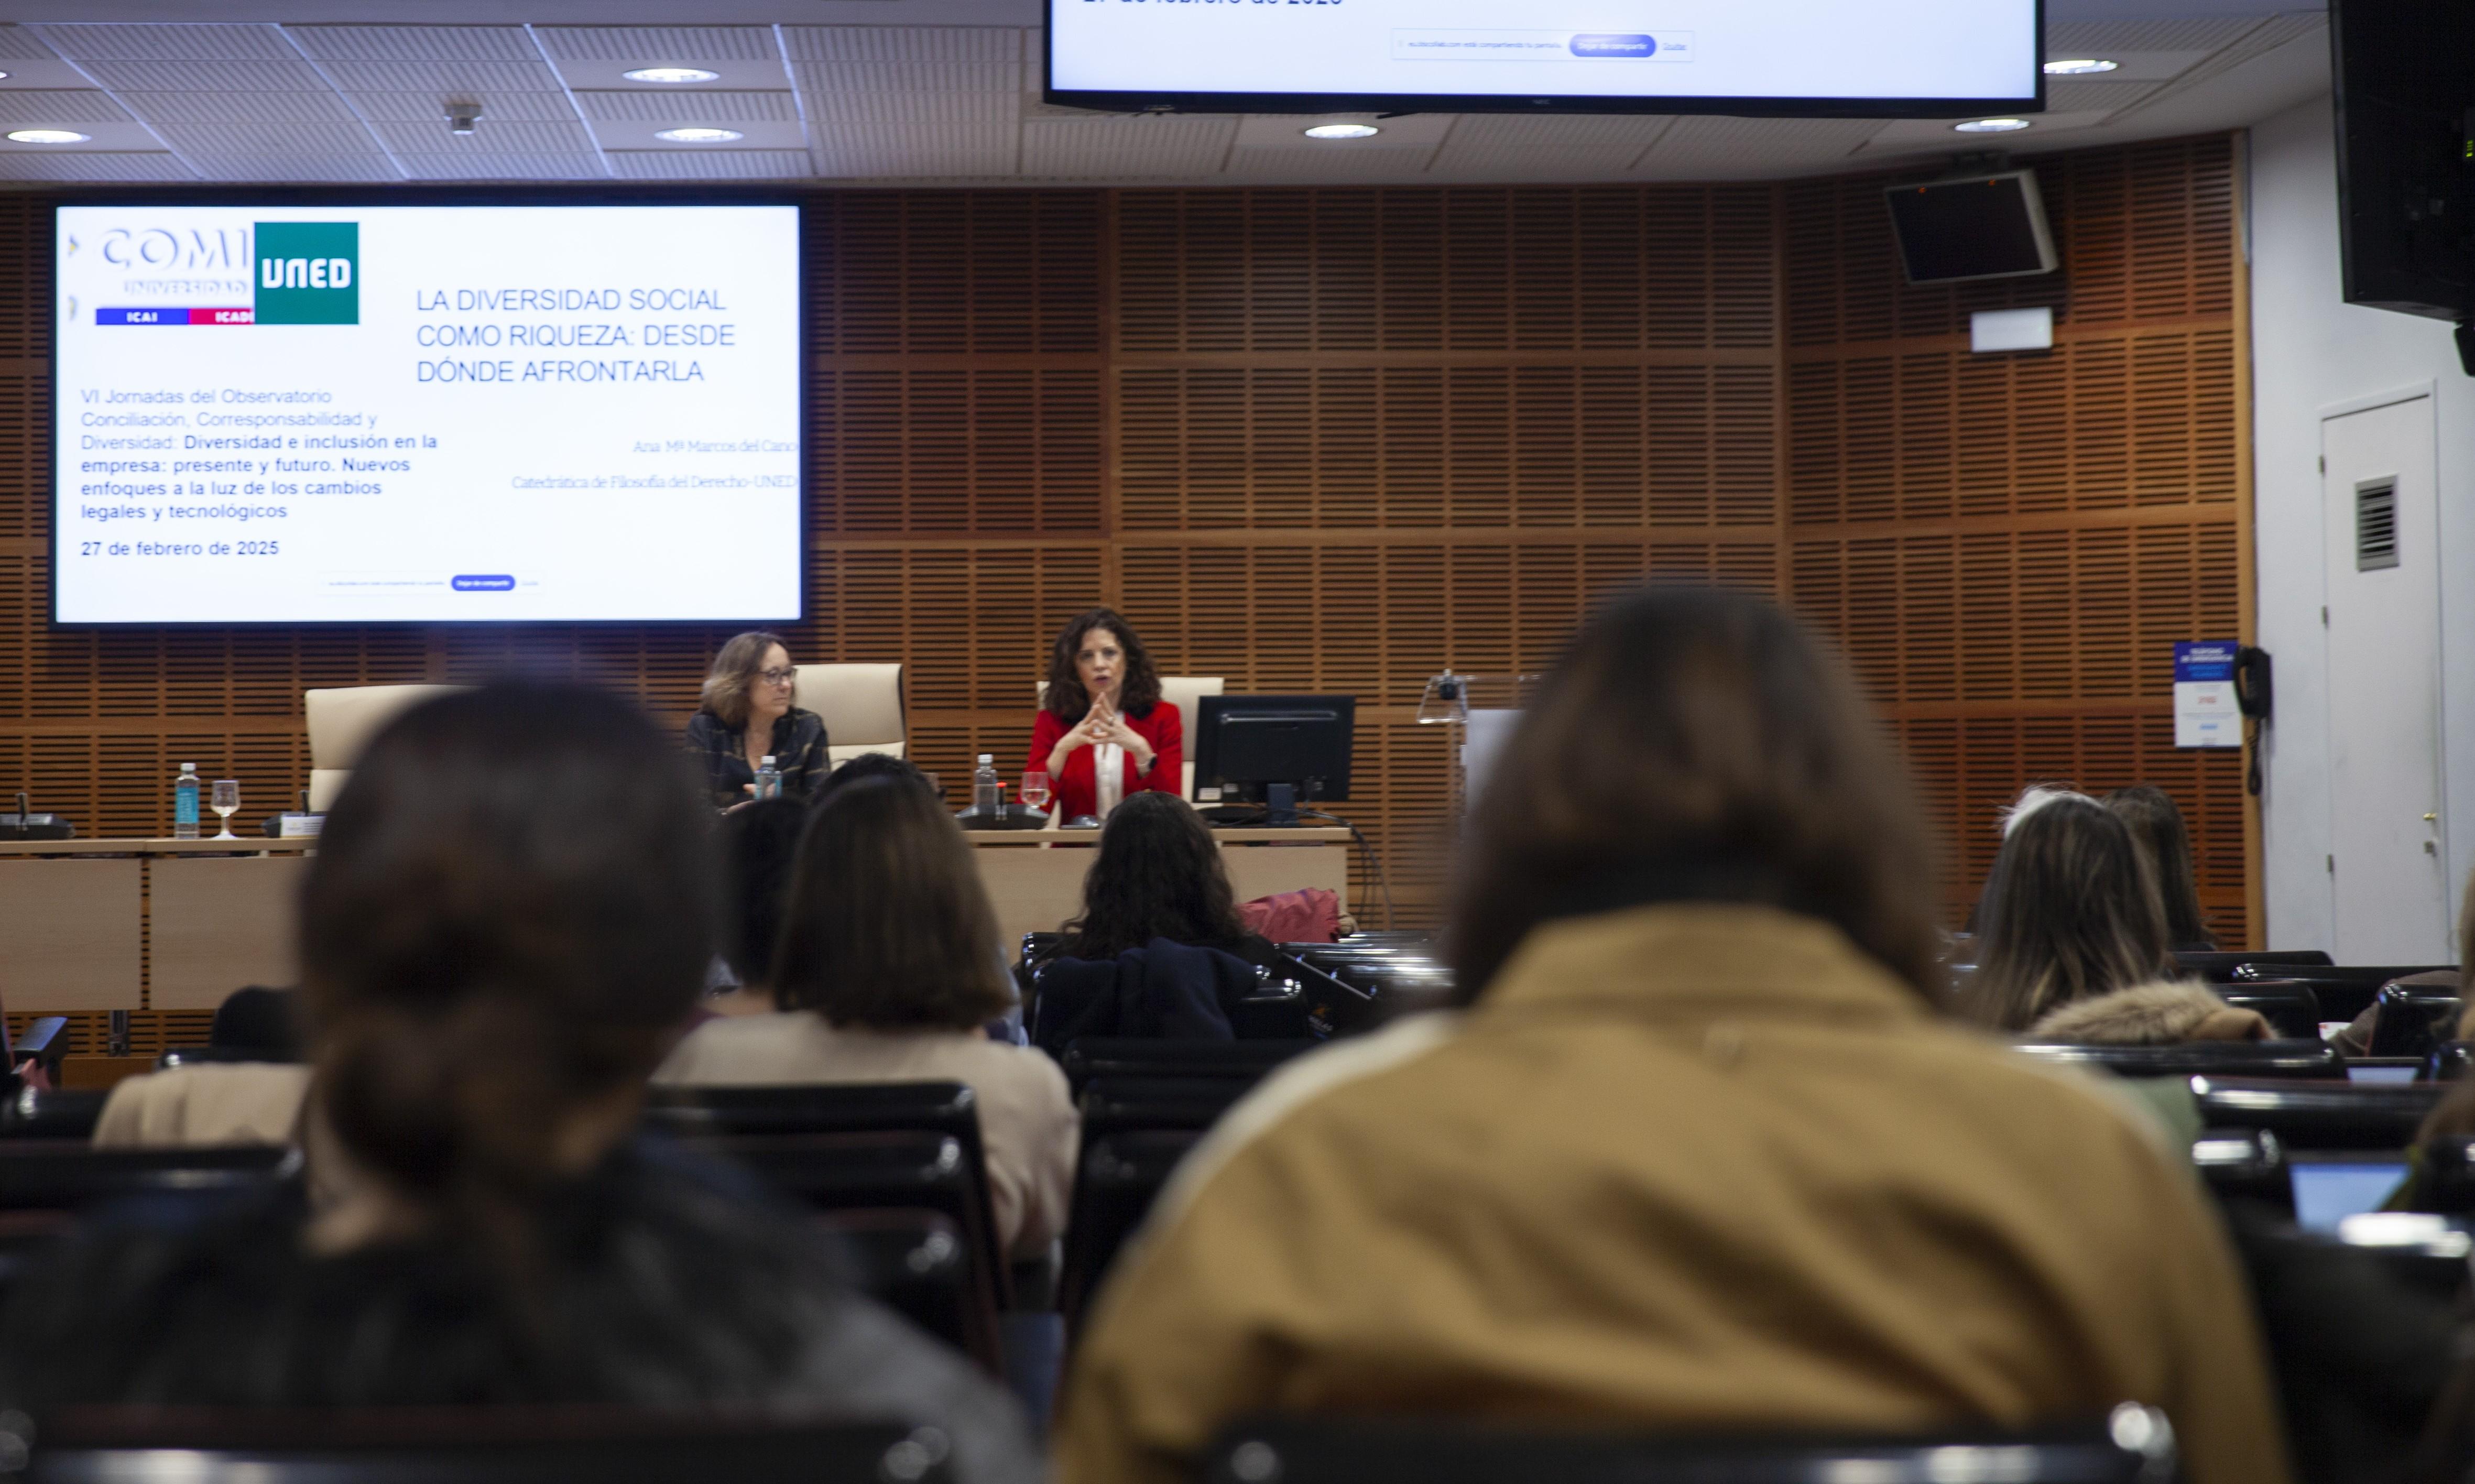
x=1102 y=724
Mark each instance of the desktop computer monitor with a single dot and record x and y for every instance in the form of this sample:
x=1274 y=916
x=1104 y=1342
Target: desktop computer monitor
x=1281 y=750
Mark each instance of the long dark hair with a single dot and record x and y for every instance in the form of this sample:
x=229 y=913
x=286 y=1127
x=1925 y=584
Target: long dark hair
x=509 y=915
x=1066 y=698
x=889 y=926
x=2157 y=828
x=1696 y=745
x=759 y=841
x=1158 y=873
x=2068 y=913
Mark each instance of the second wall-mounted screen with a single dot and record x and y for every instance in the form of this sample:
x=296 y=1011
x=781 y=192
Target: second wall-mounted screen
x=427 y=413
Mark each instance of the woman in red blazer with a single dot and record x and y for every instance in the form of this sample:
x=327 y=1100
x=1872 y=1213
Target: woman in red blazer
x=1103 y=702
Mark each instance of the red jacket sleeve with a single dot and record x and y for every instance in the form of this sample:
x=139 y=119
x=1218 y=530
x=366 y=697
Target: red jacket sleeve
x=1166 y=733
x=1044 y=733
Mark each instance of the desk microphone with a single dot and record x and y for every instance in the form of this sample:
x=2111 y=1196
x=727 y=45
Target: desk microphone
x=25 y=825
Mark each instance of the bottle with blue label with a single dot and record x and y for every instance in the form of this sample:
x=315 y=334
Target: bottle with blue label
x=769 y=779
x=185 y=803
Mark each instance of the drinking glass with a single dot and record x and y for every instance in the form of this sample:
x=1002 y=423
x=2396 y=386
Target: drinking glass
x=1034 y=790
x=227 y=802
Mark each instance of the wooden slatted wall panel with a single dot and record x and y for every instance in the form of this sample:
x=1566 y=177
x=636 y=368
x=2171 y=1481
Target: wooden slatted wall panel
x=1342 y=438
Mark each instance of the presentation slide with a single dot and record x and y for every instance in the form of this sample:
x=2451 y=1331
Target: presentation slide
x=1812 y=49
x=431 y=414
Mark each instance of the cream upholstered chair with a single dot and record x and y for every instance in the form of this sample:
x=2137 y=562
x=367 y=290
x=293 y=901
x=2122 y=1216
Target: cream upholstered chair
x=1181 y=692
x=861 y=704
x=342 y=721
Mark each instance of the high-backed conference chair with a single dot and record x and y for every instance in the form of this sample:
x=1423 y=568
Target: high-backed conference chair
x=342 y=721
x=1182 y=691
x=861 y=704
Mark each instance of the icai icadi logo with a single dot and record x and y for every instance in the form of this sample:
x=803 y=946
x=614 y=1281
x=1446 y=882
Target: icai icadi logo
x=308 y=273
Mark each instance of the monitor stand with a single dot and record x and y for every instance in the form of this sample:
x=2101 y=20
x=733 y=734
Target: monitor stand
x=1281 y=804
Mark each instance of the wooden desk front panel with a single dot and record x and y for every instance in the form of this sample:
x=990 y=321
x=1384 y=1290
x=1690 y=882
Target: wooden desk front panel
x=218 y=923
x=1033 y=890
x=68 y=935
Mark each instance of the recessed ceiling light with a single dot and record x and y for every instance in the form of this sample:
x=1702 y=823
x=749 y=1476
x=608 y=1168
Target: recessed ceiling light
x=1992 y=126
x=47 y=136
x=698 y=135
x=2078 y=66
x=1343 y=132
x=670 y=75
x=3 y=74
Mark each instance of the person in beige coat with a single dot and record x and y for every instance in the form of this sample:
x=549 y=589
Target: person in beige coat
x=887 y=968
x=1704 y=1154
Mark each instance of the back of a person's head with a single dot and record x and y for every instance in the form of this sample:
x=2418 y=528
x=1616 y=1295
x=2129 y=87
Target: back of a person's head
x=2069 y=913
x=1696 y=744
x=759 y=843
x=867 y=766
x=2157 y=829
x=1158 y=873
x=509 y=913
x=889 y=926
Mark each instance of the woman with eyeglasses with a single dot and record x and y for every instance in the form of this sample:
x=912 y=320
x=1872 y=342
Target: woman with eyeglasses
x=746 y=716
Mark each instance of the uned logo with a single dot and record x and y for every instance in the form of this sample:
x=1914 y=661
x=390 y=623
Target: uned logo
x=308 y=273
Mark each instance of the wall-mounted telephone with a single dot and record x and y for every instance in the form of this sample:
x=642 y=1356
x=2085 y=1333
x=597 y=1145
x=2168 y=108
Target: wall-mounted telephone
x=2253 y=692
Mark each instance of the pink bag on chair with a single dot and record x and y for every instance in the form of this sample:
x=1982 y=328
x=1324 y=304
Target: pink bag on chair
x=1310 y=914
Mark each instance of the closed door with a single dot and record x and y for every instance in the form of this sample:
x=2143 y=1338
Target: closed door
x=2387 y=865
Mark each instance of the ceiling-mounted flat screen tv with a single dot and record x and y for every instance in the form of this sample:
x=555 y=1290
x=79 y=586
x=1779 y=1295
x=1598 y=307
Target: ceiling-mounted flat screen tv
x=279 y=410
x=1821 y=58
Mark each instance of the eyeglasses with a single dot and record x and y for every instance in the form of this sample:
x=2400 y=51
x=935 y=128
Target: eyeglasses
x=782 y=677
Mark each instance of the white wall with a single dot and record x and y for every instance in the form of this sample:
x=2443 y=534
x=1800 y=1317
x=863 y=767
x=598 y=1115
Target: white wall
x=2311 y=351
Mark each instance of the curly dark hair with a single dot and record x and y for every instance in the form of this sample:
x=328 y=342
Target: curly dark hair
x=1065 y=698
x=1158 y=873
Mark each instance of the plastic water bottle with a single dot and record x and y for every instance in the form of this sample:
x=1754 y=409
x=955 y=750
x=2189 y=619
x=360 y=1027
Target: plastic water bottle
x=185 y=803
x=769 y=778
x=987 y=795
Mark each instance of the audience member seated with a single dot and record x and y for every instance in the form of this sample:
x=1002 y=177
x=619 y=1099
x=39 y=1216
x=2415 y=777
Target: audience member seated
x=1702 y=1153
x=758 y=845
x=2071 y=942
x=261 y=1021
x=2157 y=828
x=1158 y=873
x=255 y=1102
x=889 y=966
x=507 y=917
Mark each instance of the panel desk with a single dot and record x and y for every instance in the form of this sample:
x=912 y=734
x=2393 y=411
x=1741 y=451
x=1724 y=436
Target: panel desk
x=91 y=925
x=144 y=924
x=1034 y=877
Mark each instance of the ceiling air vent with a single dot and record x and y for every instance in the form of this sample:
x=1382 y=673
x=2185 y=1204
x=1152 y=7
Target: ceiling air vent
x=2376 y=525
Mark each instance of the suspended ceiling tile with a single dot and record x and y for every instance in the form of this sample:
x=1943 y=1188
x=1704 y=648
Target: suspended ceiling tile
x=445 y=77
x=1285 y=132
x=1122 y=148
x=416 y=44
x=827 y=79
x=286 y=75
x=20 y=111
x=1339 y=167
x=95 y=166
x=827 y=109
x=17 y=73
x=493 y=136
x=903 y=43
x=688 y=108
x=2071 y=95
x=19 y=44
x=1508 y=147
x=730 y=73
x=2198 y=34
x=1916 y=135
x=712 y=165
x=754 y=134
x=309 y=138
x=168 y=43
x=1703 y=147
x=497 y=107
x=2130 y=65
x=503 y=167
x=916 y=150
x=338 y=167
x=270 y=108
x=627 y=44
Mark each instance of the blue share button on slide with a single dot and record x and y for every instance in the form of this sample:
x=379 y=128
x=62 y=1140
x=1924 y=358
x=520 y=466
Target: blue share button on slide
x=1614 y=43
x=484 y=582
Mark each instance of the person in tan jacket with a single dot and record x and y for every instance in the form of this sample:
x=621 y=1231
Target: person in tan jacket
x=1703 y=1154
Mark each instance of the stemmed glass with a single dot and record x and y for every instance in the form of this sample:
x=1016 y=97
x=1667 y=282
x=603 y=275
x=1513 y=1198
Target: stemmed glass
x=227 y=802
x=1035 y=791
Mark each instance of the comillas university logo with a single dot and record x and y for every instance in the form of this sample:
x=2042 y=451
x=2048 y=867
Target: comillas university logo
x=308 y=273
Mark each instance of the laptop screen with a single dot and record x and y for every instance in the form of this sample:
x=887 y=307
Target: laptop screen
x=2326 y=1192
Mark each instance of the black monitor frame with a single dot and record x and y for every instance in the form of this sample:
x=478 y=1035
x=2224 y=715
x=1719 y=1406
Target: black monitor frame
x=1283 y=750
